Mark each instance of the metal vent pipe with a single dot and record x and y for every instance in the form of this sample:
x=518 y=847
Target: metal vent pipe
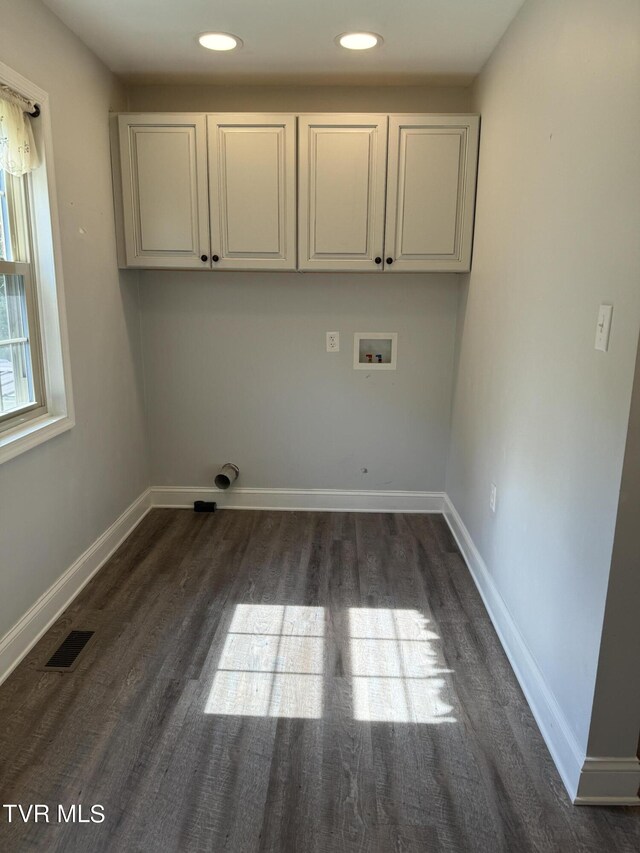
x=227 y=475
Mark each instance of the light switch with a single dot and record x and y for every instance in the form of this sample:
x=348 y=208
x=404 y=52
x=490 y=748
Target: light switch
x=603 y=327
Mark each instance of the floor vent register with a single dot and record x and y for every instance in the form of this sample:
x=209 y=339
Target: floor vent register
x=66 y=656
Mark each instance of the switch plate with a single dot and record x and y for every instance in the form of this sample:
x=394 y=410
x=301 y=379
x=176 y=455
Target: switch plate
x=333 y=341
x=603 y=327
x=493 y=497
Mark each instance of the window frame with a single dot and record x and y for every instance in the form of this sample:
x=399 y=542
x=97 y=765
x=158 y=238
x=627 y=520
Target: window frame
x=18 y=211
x=53 y=414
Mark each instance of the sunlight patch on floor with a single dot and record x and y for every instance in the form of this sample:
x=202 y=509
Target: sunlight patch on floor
x=271 y=663
x=394 y=663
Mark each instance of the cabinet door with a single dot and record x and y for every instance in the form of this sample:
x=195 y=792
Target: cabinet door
x=431 y=183
x=341 y=185
x=163 y=161
x=252 y=191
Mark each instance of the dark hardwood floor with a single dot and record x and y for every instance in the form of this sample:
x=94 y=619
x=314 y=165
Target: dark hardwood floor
x=287 y=682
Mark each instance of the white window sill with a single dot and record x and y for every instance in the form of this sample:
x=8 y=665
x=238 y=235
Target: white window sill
x=31 y=434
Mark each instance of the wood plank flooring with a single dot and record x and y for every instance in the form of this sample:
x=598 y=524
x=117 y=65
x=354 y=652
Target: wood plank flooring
x=286 y=682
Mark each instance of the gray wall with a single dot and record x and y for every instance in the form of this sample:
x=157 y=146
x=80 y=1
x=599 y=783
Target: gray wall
x=236 y=369
x=536 y=409
x=378 y=99
x=235 y=364
x=57 y=498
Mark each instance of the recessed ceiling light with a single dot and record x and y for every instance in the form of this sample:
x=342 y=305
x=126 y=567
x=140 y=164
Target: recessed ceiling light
x=219 y=41
x=358 y=41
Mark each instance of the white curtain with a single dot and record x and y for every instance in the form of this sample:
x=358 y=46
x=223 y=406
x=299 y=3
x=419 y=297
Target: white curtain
x=17 y=149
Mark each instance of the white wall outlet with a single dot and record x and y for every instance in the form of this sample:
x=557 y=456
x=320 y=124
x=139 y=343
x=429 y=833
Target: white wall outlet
x=603 y=328
x=333 y=341
x=493 y=497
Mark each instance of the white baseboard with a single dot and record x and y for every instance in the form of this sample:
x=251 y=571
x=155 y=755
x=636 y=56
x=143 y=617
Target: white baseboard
x=326 y=500
x=41 y=615
x=601 y=776
x=560 y=740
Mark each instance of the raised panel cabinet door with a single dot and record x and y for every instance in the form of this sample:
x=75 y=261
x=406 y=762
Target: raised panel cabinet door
x=163 y=161
x=341 y=185
x=252 y=191
x=431 y=182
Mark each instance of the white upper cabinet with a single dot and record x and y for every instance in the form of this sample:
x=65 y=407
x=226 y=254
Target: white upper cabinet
x=342 y=163
x=376 y=193
x=431 y=181
x=252 y=186
x=163 y=163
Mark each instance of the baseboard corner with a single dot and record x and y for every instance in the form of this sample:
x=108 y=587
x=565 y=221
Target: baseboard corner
x=558 y=736
x=609 y=781
x=23 y=636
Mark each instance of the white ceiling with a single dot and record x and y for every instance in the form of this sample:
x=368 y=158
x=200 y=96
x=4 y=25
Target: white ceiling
x=291 y=41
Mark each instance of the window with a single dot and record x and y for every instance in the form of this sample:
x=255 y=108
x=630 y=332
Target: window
x=35 y=385
x=21 y=383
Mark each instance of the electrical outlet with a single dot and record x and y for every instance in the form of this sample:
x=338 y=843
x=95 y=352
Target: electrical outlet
x=333 y=341
x=493 y=497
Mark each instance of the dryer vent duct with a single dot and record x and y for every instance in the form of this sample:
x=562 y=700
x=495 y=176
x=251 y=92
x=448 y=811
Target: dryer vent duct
x=227 y=475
